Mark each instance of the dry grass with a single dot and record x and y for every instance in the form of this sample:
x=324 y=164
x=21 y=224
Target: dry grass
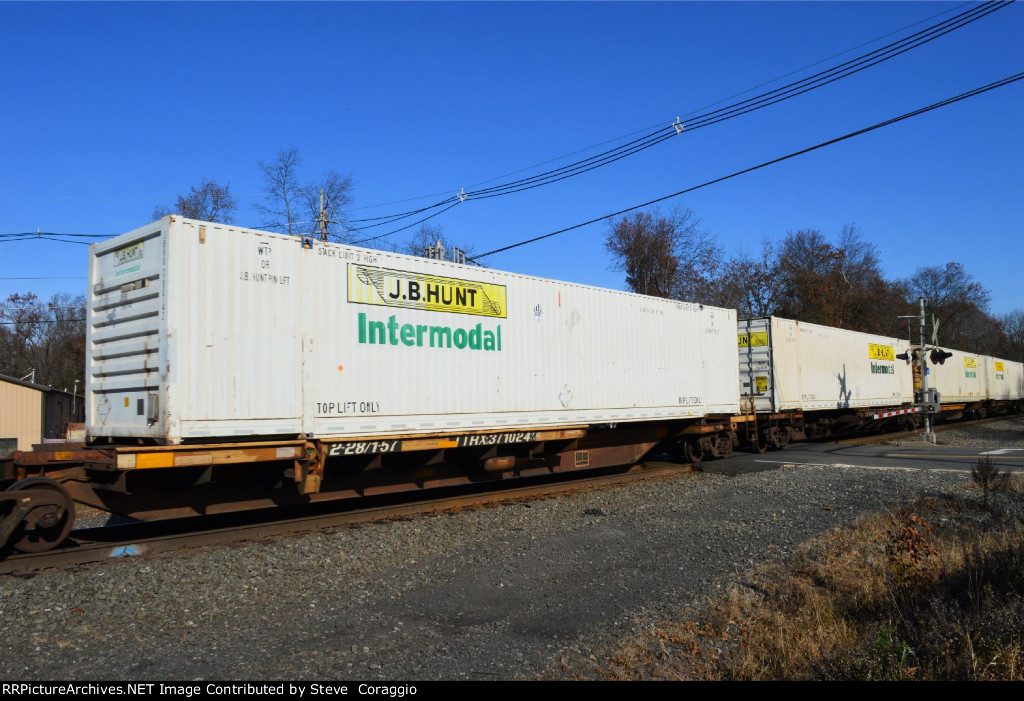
x=931 y=591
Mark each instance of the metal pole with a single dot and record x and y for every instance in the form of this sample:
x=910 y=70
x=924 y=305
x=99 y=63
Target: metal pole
x=323 y=218
x=928 y=435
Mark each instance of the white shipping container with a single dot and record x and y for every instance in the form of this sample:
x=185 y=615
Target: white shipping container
x=961 y=378
x=1004 y=379
x=788 y=365
x=200 y=331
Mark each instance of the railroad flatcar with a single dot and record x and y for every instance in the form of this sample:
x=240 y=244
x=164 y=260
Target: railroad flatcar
x=232 y=368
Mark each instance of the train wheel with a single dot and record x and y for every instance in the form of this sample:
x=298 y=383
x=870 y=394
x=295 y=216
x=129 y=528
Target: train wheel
x=52 y=522
x=724 y=446
x=693 y=452
x=759 y=444
x=785 y=436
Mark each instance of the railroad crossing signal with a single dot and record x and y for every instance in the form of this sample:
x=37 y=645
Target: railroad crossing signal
x=938 y=357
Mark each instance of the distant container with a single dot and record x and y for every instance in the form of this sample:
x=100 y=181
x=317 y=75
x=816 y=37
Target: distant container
x=202 y=331
x=1004 y=379
x=967 y=378
x=789 y=365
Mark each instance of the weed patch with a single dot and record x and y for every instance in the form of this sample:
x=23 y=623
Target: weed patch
x=929 y=591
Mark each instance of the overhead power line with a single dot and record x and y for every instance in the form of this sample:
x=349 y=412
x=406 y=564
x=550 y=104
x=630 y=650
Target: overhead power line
x=38 y=321
x=943 y=103
x=545 y=162
x=685 y=116
x=659 y=135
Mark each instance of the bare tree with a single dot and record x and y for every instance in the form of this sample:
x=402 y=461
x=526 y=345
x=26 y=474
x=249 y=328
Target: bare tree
x=289 y=203
x=47 y=337
x=282 y=192
x=837 y=284
x=955 y=298
x=428 y=235
x=337 y=196
x=664 y=256
x=752 y=286
x=1013 y=327
x=211 y=201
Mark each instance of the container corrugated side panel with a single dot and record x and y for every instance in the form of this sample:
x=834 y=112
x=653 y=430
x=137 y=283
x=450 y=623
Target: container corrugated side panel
x=234 y=331
x=125 y=390
x=1005 y=379
x=824 y=368
x=842 y=369
x=549 y=352
x=722 y=381
x=961 y=379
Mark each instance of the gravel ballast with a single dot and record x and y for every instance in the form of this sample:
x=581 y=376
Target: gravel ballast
x=496 y=593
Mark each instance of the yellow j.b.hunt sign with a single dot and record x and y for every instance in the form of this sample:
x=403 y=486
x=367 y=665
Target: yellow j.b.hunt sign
x=383 y=287
x=877 y=352
x=753 y=340
x=970 y=362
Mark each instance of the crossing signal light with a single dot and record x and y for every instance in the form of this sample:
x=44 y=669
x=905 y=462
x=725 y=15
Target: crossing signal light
x=938 y=357
x=908 y=356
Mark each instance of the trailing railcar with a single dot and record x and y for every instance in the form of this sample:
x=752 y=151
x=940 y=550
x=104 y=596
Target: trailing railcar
x=977 y=385
x=804 y=380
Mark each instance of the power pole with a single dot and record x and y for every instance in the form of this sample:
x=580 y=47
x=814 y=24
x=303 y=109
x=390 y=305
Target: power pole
x=925 y=399
x=323 y=218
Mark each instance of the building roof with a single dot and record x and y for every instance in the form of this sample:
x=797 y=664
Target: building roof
x=33 y=385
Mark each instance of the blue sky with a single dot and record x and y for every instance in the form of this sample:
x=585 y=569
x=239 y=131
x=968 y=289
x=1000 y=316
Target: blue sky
x=111 y=109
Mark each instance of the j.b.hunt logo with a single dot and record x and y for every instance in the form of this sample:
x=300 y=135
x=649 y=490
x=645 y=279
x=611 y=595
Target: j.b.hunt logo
x=394 y=333
x=384 y=287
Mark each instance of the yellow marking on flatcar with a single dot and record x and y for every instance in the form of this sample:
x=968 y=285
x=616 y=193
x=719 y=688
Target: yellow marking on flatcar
x=148 y=460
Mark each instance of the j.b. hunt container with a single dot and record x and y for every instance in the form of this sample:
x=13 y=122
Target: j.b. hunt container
x=201 y=331
x=788 y=365
x=964 y=378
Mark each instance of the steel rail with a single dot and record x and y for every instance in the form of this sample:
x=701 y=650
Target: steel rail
x=882 y=437
x=95 y=544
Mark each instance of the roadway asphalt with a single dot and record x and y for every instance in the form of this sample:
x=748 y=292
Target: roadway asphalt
x=888 y=455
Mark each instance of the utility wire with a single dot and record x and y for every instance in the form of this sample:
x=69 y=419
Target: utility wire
x=685 y=116
x=943 y=103
x=38 y=321
x=771 y=97
x=664 y=133
x=51 y=233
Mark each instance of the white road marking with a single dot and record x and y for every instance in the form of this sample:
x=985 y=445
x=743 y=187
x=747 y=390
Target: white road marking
x=864 y=467
x=1001 y=451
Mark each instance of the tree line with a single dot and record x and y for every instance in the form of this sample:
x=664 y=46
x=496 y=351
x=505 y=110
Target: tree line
x=809 y=277
x=44 y=341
